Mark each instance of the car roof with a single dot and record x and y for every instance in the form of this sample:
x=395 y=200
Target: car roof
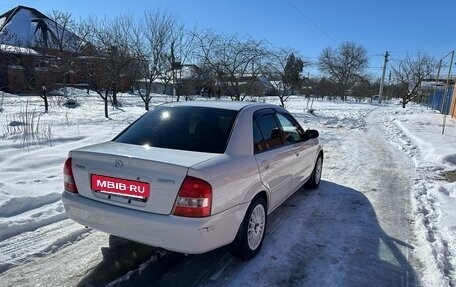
x=221 y=104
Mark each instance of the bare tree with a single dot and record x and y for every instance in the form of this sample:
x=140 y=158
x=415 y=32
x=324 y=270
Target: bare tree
x=235 y=62
x=161 y=47
x=410 y=72
x=181 y=48
x=344 y=65
x=113 y=56
x=51 y=53
x=68 y=45
x=38 y=75
x=325 y=88
x=60 y=51
x=286 y=69
x=8 y=56
x=365 y=87
x=149 y=45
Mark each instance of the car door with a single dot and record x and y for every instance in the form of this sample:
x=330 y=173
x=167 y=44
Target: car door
x=303 y=150
x=274 y=158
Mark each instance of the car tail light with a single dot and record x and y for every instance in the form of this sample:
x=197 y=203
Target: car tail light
x=68 y=179
x=194 y=198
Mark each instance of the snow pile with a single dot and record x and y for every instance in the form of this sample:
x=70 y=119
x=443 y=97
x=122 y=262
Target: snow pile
x=418 y=131
x=347 y=115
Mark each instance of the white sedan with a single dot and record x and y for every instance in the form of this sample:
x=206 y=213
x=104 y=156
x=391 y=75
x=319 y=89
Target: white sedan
x=193 y=176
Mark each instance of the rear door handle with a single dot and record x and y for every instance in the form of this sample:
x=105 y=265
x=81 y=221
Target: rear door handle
x=265 y=164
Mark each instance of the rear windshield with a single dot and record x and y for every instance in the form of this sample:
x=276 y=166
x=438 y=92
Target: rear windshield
x=199 y=129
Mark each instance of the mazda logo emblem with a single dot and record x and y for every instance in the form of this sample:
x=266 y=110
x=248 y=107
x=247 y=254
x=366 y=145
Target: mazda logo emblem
x=119 y=163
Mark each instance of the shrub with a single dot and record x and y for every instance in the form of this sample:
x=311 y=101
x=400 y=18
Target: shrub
x=71 y=103
x=28 y=129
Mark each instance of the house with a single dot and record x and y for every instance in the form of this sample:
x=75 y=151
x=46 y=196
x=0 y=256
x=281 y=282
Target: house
x=37 y=52
x=12 y=71
x=28 y=44
x=247 y=84
x=189 y=80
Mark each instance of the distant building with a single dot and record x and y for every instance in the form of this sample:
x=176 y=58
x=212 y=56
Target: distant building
x=248 y=84
x=37 y=52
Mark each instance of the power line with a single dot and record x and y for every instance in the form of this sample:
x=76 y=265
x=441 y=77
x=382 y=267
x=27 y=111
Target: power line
x=318 y=57
x=312 y=22
x=411 y=54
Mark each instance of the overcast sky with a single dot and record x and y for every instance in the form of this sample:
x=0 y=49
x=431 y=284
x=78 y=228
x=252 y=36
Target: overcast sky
x=399 y=27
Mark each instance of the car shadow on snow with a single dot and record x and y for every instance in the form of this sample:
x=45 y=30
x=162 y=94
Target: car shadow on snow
x=341 y=242
x=327 y=237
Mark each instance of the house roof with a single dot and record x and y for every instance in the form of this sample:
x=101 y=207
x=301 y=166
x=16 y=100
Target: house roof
x=18 y=50
x=189 y=71
x=27 y=27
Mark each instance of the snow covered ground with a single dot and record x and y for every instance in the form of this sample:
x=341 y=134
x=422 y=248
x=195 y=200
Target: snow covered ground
x=383 y=214
x=418 y=132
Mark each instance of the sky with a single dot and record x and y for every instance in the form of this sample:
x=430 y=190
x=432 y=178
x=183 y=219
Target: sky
x=399 y=27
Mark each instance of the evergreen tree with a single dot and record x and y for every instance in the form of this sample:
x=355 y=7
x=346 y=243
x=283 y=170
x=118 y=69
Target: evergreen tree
x=291 y=77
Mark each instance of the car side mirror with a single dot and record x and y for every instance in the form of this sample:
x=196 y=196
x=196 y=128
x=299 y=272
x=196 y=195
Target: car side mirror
x=311 y=134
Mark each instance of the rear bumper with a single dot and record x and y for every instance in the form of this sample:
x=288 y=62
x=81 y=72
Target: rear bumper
x=174 y=233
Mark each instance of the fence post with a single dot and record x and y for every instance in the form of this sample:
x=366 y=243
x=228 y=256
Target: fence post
x=446 y=90
x=452 y=112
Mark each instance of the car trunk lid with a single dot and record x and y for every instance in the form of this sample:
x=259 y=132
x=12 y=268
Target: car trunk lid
x=133 y=176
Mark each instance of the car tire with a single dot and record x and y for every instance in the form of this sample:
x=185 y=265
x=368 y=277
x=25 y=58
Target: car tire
x=314 y=181
x=250 y=235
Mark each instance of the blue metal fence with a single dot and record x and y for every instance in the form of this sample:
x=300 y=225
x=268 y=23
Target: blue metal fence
x=439 y=99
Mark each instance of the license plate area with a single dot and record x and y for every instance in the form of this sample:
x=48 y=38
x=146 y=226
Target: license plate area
x=119 y=187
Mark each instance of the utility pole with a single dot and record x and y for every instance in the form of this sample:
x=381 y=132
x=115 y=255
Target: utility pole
x=436 y=83
x=380 y=92
x=388 y=91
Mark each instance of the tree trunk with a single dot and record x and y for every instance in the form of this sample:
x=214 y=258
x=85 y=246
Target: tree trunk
x=46 y=104
x=146 y=104
x=114 y=98
x=106 y=107
x=282 y=103
x=282 y=96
